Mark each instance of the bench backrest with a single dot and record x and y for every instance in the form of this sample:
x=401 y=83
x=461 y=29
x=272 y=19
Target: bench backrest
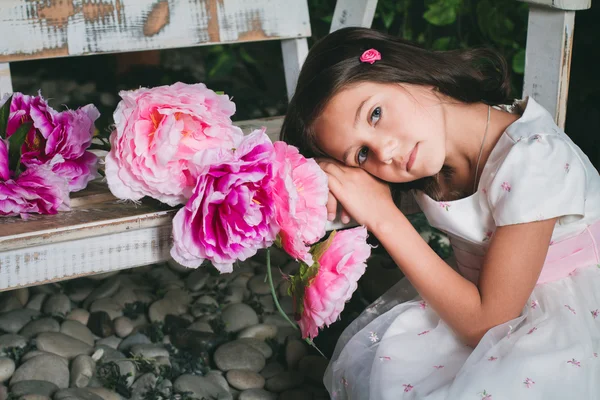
x=64 y=28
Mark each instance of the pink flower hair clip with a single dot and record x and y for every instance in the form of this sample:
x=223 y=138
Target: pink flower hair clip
x=370 y=56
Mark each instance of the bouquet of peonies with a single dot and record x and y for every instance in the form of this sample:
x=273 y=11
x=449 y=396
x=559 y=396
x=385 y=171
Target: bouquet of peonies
x=240 y=193
x=43 y=155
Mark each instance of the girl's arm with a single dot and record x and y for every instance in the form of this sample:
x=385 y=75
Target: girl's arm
x=511 y=267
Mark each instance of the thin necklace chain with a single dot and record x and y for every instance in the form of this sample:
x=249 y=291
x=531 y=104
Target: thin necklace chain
x=487 y=125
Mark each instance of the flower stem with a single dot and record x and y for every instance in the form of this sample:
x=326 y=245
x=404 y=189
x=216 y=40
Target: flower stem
x=276 y=301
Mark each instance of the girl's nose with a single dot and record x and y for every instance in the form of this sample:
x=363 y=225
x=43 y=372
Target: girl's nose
x=386 y=150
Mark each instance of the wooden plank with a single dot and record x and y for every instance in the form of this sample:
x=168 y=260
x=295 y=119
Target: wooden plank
x=548 y=59
x=294 y=53
x=60 y=28
x=353 y=13
x=5 y=80
x=569 y=5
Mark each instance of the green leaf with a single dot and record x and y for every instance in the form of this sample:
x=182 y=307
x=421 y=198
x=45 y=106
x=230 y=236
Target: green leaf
x=442 y=43
x=442 y=12
x=318 y=249
x=518 y=62
x=4 y=113
x=15 y=142
x=388 y=19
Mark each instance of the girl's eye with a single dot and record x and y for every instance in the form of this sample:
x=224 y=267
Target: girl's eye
x=361 y=157
x=375 y=115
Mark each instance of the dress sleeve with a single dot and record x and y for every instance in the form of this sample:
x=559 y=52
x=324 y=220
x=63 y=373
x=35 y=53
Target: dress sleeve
x=542 y=177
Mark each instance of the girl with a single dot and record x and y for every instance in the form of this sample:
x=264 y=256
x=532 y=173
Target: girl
x=519 y=315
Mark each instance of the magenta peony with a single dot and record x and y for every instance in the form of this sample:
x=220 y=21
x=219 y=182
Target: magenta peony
x=300 y=194
x=321 y=291
x=231 y=211
x=157 y=133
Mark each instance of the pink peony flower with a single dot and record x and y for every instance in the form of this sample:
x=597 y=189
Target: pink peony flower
x=158 y=132
x=300 y=193
x=340 y=266
x=57 y=140
x=37 y=190
x=231 y=211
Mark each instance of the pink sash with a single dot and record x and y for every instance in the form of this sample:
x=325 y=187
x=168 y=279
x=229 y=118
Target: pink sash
x=562 y=259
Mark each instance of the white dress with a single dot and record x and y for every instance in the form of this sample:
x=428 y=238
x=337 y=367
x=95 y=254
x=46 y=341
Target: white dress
x=399 y=348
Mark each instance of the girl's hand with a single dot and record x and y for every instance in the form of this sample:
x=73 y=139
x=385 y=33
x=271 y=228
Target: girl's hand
x=363 y=197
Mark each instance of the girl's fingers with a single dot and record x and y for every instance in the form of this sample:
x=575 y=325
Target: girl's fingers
x=345 y=216
x=331 y=207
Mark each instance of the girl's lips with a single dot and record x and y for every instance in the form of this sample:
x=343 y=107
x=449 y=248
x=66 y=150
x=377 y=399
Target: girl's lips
x=412 y=157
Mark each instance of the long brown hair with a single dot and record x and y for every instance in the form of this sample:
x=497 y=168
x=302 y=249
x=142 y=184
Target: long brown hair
x=332 y=64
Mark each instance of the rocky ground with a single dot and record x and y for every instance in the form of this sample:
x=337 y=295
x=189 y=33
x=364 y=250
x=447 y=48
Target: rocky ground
x=157 y=332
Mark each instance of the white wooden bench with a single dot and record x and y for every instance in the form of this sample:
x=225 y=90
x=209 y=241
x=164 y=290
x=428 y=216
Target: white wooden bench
x=101 y=234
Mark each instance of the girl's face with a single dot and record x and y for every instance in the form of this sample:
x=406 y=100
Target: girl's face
x=395 y=132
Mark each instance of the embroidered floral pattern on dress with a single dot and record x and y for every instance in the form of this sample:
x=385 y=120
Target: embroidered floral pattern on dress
x=574 y=362
x=595 y=355
x=344 y=382
x=423 y=305
x=385 y=358
x=532 y=330
x=534 y=304
x=438 y=366
x=537 y=138
x=510 y=330
x=373 y=337
x=506 y=186
x=488 y=236
x=423 y=333
x=492 y=358
x=408 y=387
x=595 y=313
x=568 y=307
x=485 y=395
x=445 y=205
x=567 y=168
x=528 y=382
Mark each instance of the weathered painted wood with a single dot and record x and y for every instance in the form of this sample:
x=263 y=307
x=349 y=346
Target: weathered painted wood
x=569 y=5
x=5 y=79
x=548 y=59
x=59 y=28
x=353 y=13
x=294 y=53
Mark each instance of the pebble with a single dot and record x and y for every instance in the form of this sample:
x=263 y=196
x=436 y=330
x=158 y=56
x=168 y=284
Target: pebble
x=260 y=331
x=257 y=394
x=295 y=394
x=102 y=276
x=241 y=280
x=216 y=376
x=72 y=394
x=313 y=368
x=21 y=294
x=283 y=381
x=11 y=340
x=271 y=369
x=141 y=386
x=201 y=326
x=276 y=320
x=259 y=345
x=62 y=345
x=7 y=368
x=9 y=302
x=36 y=301
x=239 y=316
x=123 y=326
x=104 y=393
x=79 y=315
x=57 y=304
x=144 y=296
x=107 y=289
x=282 y=289
x=127 y=367
x=78 y=331
x=45 y=367
x=267 y=303
x=108 y=354
x=200 y=387
x=100 y=324
x=111 y=341
x=109 y=306
x=159 y=310
x=238 y=355
x=149 y=351
x=196 y=280
x=235 y=295
x=259 y=285
x=33 y=387
x=34 y=353
x=81 y=292
x=14 y=321
x=82 y=370
x=243 y=380
x=295 y=350
x=132 y=340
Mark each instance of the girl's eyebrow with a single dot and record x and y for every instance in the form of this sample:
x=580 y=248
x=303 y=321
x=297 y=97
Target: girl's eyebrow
x=358 y=110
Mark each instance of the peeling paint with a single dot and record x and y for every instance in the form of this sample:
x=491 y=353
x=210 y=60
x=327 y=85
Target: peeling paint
x=157 y=19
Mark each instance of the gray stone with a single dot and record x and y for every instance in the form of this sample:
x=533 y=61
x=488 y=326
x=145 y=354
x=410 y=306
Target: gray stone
x=257 y=394
x=123 y=326
x=132 y=340
x=107 y=289
x=259 y=285
x=124 y=296
x=239 y=316
x=9 y=302
x=295 y=350
x=127 y=367
x=159 y=310
x=57 y=304
x=81 y=292
x=3 y=392
x=196 y=280
x=102 y=276
x=287 y=333
x=243 y=379
x=271 y=369
x=11 y=340
x=22 y=295
x=313 y=368
x=109 y=354
x=284 y=381
x=238 y=355
x=79 y=394
x=144 y=296
x=267 y=303
x=49 y=288
x=62 y=345
x=142 y=385
x=295 y=394
x=41 y=325
x=259 y=345
x=217 y=377
x=77 y=330
x=7 y=368
x=80 y=315
x=34 y=353
x=14 y=321
x=276 y=320
x=107 y=305
x=82 y=370
x=201 y=326
x=42 y=388
x=260 y=331
x=100 y=324
x=149 y=351
x=236 y=295
x=44 y=367
x=36 y=301
x=200 y=387
x=282 y=289
x=111 y=341
x=241 y=280
x=104 y=393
